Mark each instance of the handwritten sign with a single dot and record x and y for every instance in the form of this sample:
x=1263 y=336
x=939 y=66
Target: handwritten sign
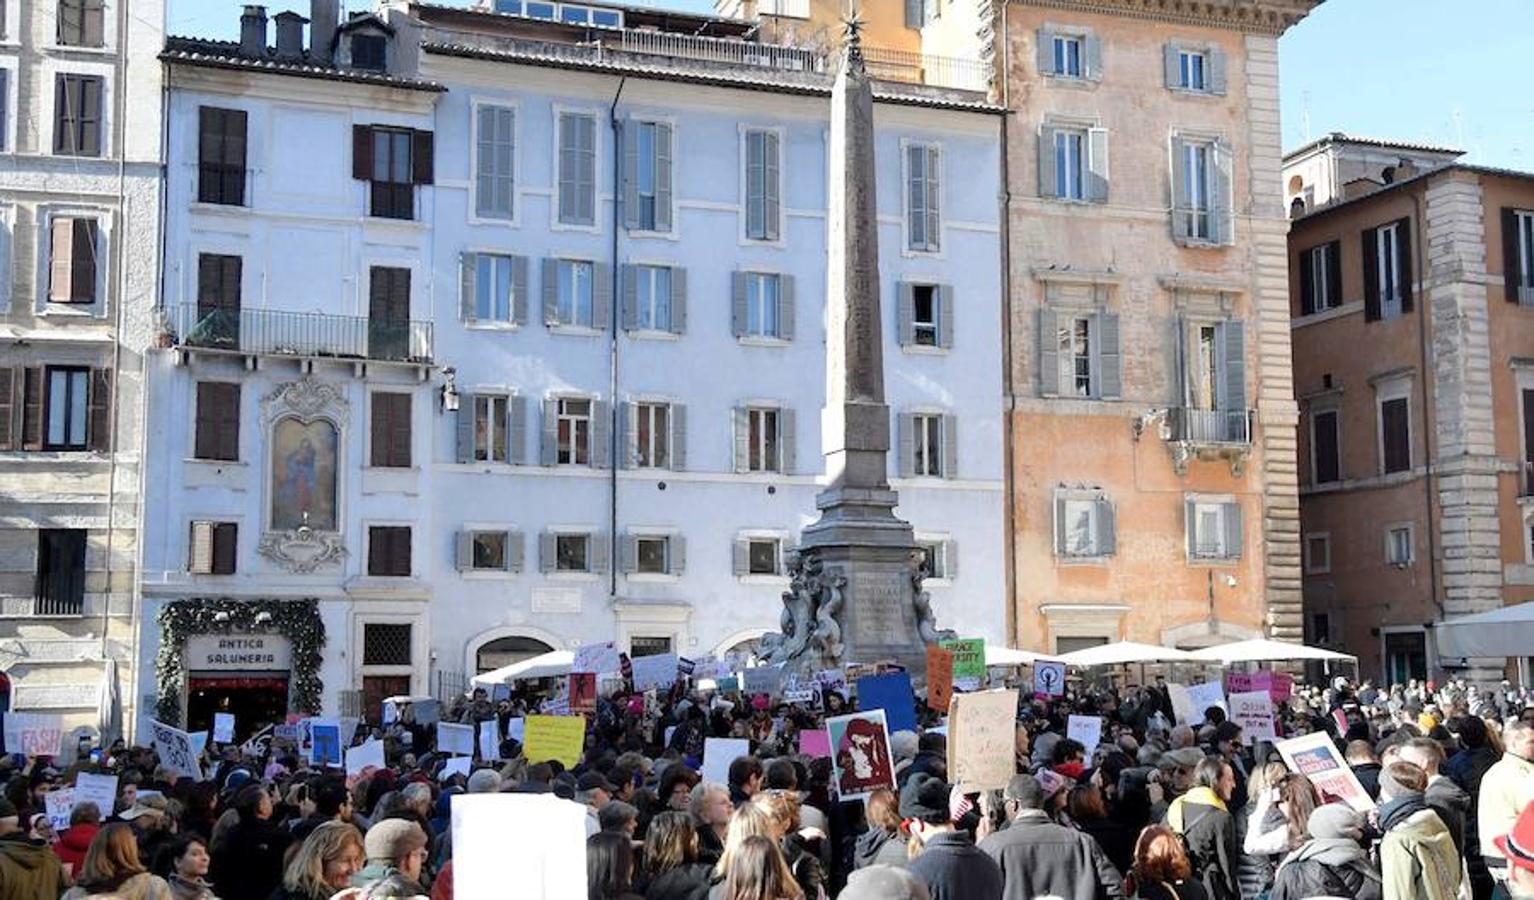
x=369 y=753
x=656 y=672
x=1253 y=711
x=718 y=753
x=458 y=765
x=1238 y=682
x=1086 y=730
x=1316 y=757
x=1282 y=687
x=1190 y=701
x=516 y=729
x=982 y=740
x=968 y=661
x=761 y=679
x=940 y=665
x=175 y=749
x=223 y=727
x=33 y=734
x=1048 y=678
x=891 y=693
x=59 y=804
x=98 y=789
x=832 y=680
x=554 y=737
x=597 y=659
x=582 y=690
x=815 y=744
x=456 y=739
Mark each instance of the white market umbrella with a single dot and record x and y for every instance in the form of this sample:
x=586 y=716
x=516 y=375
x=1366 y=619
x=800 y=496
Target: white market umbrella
x=1010 y=656
x=1124 y=652
x=1264 y=650
x=546 y=665
x=1508 y=631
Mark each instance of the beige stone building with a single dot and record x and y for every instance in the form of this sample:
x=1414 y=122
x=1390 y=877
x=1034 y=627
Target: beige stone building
x=1152 y=486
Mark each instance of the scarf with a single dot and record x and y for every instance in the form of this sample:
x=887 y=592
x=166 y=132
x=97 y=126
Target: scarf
x=1200 y=795
x=1400 y=809
x=1334 y=853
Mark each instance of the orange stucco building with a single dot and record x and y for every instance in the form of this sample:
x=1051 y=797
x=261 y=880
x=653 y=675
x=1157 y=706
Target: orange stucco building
x=1412 y=296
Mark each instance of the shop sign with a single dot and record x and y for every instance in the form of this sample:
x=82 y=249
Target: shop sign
x=238 y=652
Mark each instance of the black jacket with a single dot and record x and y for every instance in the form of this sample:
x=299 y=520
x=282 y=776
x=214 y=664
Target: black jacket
x=248 y=862
x=952 y=868
x=685 y=882
x=1368 y=775
x=1210 y=833
x=1444 y=797
x=1115 y=836
x=1041 y=859
x=1327 y=868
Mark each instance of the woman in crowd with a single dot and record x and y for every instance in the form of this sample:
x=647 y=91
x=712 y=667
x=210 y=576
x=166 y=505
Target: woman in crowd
x=1275 y=826
x=610 y=867
x=112 y=870
x=189 y=869
x=1332 y=862
x=324 y=864
x=757 y=871
x=247 y=864
x=783 y=809
x=676 y=785
x=882 y=843
x=671 y=858
x=1161 y=868
x=1089 y=812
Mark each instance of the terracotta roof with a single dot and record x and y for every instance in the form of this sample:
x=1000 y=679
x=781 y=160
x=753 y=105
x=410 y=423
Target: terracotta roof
x=1340 y=137
x=226 y=55
x=1419 y=177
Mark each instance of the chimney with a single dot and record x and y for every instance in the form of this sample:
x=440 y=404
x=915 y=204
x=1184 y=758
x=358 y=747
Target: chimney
x=324 y=18
x=253 y=31
x=290 y=35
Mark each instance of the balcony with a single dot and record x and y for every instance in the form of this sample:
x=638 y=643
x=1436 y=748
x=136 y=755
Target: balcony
x=267 y=332
x=1209 y=434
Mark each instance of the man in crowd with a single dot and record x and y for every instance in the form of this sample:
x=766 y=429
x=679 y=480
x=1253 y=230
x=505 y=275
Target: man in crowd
x=1517 y=847
x=948 y=861
x=1039 y=858
x=593 y=790
x=28 y=869
x=1442 y=795
x=1202 y=816
x=1506 y=789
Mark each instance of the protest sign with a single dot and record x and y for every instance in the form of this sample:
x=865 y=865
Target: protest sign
x=939 y=678
x=815 y=744
x=489 y=739
x=33 y=734
x=554 y=737
x=456 y=739
x=982 y=752
x=369 y=753
x=258 y=744
x=199 y=742
x=718 y=753
x=1238 y=682
x=349 y=729
x=762 y=679
x=516 y=729
x=968 y=661
x=59 y=804
x=582 y=689
x=1048 y=678
x=426 y=711
x=1253 y=711
x=325 y=748
x=98 y=789
x=1086 y=730
x=1282 y=687
x=1204 y=696
x=1316 y=757
x=539 y=837
x=597 y=659
x=175 y=749
x=223 y=728
x=390 y=712
x=656 y=672
x=860 y=754
x=287 y=734
x=728 y=685
x=555 y=706
x=891 y=693
x=458 y=765
x=832 y=680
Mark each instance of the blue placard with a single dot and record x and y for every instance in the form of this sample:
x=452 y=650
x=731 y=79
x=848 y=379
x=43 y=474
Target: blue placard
x=891 y=693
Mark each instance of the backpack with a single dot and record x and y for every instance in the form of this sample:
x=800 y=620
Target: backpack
x=1187 y=849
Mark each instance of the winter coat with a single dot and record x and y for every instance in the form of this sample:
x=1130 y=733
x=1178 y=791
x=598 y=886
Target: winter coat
x=805 y=864
x=185 y=889
x=952 y=868
x=1116 y=838
x=1254 y=867
x=1041 y=859
x=1327 y=867
x=373 y=873
x=1452 y=805
x=1368 y=775
x=1210 y=832
x=1417 y=857
x=29 y=870
x=142 y=886
x=877 y=847
x=1177 y=890
x=248 y=862
x=685 y=882
x=1506 y=789
x=73 y=842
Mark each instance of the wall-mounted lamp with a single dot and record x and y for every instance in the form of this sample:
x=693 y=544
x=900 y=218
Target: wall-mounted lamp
x=449 y=389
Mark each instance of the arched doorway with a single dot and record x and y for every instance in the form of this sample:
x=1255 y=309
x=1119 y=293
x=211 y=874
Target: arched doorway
x=743 y=645
x=503 y=651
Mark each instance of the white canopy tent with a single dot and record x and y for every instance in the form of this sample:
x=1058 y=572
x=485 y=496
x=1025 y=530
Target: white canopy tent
x=1009 y=656
x=1124 y=652
x=546 y=665
x=1508 y=631
x=1264 y=650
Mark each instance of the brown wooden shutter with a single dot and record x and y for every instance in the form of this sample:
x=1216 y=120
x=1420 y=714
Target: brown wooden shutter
x=1512 y=272
x=99 y=411
x=63 y=116
x=8 y=419
x=217 y=421
x=1334 y=273
x=60 y=256
x=82 y=275
x=225 y=544
x=32 y=408
x=1404 y=270
x=391 y=430
x=1371 y=250
x=1307 y=284
x=92 y=24
x=362 y=152
x=422 y=153
x=204 y=440
x=90 y=117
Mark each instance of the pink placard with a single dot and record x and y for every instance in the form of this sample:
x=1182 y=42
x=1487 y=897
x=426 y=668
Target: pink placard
x=1239 y=683
x=815 y=744
x=1282 y=687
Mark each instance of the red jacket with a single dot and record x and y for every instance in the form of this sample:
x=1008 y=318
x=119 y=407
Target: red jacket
x=73 y=842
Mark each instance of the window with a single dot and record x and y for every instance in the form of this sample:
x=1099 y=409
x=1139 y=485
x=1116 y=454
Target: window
x=577 y=168
x=652 y=435
x=762 y=440
x=1405 y=656
x=389 y=551
x=1399 y=546
x=221 y=155
x=1387 y=270
x=1318 y=554
x=760 y=293
x=72 y=255
x=494 y=170
x=1517 y=252
x=647 y=176
x=370 y=52
x=1068 y=56
x=1321 y=278
x=1395 y=433
x=574 y=432
x=1214 y=529
x=927 y=448
x=762 y=556
x=212 y=548
x=923 y=223
x=77 y=115
x=80 y=23
x=762 y=185
x=1325 y=446
x=934 y=558
x=652 y=555
x=1193 y=67
x=218 y=421
x=5 y=96
x=218 y=301
x=1070 y=164
x=492 y=420
x=1196 y=164
x=1320 y=628
x=67 y=410
x=650 y=298
x=60 y=572
x=1076 y=348
x=489 y=550
x=386 y=644
x=393 y=161
x=586 y=15
x=648 y=646
x=1197 y=69
x=926 y=300
x=572 y=553
x=1084 y=524
x=1201 y=183
x=1079 y=354
x=391 y=431
x=496 y=287
x=575 y=284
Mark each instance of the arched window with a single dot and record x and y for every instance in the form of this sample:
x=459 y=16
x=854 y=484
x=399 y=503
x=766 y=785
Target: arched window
x=507 y=650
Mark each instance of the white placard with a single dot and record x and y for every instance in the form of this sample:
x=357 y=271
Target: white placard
x=369 y=753
x=98 y=789
x=596 y=658
x=458 y=765
x=1203 y=696
x=1253 y=711
x=175 y=749
x=718 y=753
x=657 y=672
x=1049 y=678
x=59 y=804
x=223 y=728
x=33 y=734
x=457 y=739
x=516 y=729
x=489 y=740
x=1087 y=730
x=539 y=837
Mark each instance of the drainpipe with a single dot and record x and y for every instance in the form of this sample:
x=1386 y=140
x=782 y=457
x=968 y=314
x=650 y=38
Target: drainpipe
x=1008 y=383
x=614 y=439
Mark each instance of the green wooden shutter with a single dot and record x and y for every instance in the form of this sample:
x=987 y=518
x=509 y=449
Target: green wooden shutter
x=1216 y=74
x=945 y=315
x=773 y=175
x=516 y=437
x=786 y=306
x=629 y=138
x=678 y=300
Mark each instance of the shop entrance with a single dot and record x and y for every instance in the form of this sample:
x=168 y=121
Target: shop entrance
x=256 y=699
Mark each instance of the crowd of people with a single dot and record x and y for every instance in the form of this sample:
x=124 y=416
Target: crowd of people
x=1159 y=810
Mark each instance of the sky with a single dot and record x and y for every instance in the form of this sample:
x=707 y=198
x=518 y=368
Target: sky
x=1436 y=71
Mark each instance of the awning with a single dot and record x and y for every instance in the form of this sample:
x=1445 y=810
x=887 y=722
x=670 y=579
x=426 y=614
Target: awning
x=546 y=665
x=1008 y=656
x=1125 y=652
x=1508 y=631
x=1264 y=650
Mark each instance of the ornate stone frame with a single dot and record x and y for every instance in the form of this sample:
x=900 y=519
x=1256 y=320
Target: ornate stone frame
x=302 y=550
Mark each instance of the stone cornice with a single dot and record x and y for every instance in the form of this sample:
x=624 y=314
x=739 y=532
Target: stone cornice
x=1271 y=17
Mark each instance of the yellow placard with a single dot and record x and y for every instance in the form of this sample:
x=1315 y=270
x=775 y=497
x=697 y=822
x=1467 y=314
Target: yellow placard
x=555 y=737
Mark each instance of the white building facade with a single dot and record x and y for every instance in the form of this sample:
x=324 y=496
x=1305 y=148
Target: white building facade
x=525 y=344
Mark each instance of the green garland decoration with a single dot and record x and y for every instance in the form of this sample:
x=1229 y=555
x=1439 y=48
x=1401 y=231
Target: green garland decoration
x=297 y=620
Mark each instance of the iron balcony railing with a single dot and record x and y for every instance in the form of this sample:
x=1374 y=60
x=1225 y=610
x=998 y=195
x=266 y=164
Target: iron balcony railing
x=1210 y=426
x=279 y=333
